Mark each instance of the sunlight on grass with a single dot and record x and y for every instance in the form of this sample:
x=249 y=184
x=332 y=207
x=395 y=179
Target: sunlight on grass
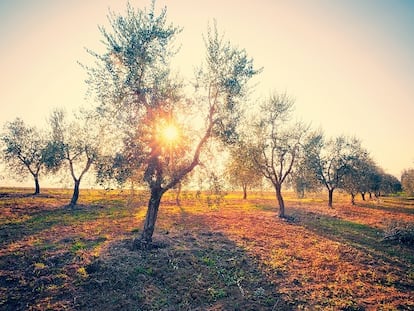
x=323 y=258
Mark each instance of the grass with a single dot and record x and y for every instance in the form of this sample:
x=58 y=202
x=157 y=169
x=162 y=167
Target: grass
x=236 y=255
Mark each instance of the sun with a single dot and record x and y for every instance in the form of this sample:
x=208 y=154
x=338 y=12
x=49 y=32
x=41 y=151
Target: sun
x=170 y=133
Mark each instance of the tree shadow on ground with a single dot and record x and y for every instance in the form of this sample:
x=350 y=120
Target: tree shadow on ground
x=363 y=237
x=33 y=278
x=37 y=264
x=385 y=208
x=19 y=195
x=41 y=220
x=192 y=268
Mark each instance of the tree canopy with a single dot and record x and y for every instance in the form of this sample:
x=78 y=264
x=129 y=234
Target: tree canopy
x=332 y=160
x=136 y=88
x=24 y=150
x=74 y=145
x=275 y=143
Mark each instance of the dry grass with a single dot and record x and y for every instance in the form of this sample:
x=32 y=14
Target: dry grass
x=235 y=256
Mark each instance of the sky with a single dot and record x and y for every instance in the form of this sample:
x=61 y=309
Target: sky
x=349 y=65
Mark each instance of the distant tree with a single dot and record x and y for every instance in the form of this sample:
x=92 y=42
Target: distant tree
x=407 y=181
x=389 y=185
x=370 y=180
x=23 y=151
x=134 y=85
x=357 y=179
x=331 y=160
x=376 y=179
x=74 y=146
x=212 y=184
x=275 y=144
x=241 y=170
x=302 y=179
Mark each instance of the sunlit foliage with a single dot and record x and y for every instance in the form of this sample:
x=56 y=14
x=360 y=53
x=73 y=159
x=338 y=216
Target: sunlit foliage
x=331 y=160
x=275 y=143
x=23 y=150
x=135 y=88
x=74 y=145
x=241 y=170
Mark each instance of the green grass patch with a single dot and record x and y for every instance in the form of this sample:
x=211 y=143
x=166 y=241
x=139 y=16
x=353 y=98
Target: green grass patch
x=357 y=235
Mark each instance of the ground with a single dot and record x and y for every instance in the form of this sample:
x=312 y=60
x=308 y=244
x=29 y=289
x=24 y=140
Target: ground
x=229 y=254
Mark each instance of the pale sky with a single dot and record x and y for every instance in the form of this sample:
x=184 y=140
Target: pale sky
x=349 y=64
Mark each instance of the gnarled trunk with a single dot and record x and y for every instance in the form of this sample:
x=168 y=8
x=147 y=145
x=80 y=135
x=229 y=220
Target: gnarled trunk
x=280 y=201
x=149 y=225
x=363 y=196
x=352 y=198
x=75 y=195
x=177 y=195
x=37 y=186
x=244 y=191
x=330 y=199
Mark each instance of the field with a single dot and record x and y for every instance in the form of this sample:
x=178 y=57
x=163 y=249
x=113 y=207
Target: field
x=236 y=255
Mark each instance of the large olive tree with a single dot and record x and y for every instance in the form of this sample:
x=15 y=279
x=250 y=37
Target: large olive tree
x=161 y=132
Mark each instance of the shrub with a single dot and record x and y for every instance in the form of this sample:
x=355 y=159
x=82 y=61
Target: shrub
x=402 y=233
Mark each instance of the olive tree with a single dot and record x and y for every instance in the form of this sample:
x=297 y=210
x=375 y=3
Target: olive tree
x=370 y=178
x=358 y=177
x=74 y=145
x=303 y=180
x=241 y=170
x=23 y=150
x=407 y=181
x=135 y=87
x=331 y=160
x=389 y=185
x=275 y=144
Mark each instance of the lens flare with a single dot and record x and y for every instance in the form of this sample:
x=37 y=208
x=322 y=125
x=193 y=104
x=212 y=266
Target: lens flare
x=170 y=133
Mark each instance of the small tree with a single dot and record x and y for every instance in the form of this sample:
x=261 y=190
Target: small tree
x=357 y=179
x=389 y=185
x=407 y=181
x=370 y=180
x=331 y=160
x=74 y=145
x=275 y=145
x=302 y=179
x=241 y=170
x=23 y=151
x=132 y=81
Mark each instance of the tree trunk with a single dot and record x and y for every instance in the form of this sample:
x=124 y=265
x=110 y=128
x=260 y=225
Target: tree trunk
x=352 y=198
x=244 y=191
x=152 y=212
x=37 y=186
x=280 y=201
x=177 y=195
x=363 y=196
x=330 y=193
x=75 y=195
